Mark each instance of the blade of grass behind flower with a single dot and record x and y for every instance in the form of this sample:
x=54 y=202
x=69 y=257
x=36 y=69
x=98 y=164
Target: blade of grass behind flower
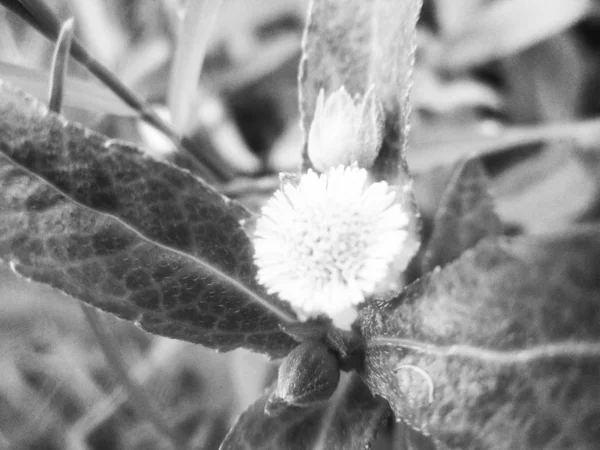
x=98 y=18
x=195 y=30
x=60 y=60
x=9 y=49
x=40 y=16
x=192 y=42
x=78 y=93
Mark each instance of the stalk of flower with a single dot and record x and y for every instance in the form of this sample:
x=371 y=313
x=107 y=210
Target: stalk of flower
x=326 y=241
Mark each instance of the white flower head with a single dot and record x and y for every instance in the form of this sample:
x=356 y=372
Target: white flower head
x=345 y=130
x=325 y=242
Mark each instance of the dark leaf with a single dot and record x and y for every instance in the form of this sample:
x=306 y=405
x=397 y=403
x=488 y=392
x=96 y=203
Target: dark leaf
x=308 y=375
x=545 y=82
x=358 y=44
x=465 y=216
x=60 y=63
x=349 y=421
x=498 y=350
x=128 y=234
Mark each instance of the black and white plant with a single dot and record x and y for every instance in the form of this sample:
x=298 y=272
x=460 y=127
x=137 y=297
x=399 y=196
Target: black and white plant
x=492 y=342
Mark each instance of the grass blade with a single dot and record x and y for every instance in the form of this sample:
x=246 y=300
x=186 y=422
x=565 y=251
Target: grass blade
x=194 y=33
x=60 y=61
x=78 y=93
x=41 y=17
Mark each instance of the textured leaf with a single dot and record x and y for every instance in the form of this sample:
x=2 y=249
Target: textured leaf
x=465 y=215
x=356 y=44
x=349 y=421
x=359 y=44
x=128 y=234
x=498 y=350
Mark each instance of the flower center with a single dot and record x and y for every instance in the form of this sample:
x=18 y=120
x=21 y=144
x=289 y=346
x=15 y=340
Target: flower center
x=329 y=243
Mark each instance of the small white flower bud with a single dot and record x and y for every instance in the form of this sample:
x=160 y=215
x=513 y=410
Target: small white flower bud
x=345 y=131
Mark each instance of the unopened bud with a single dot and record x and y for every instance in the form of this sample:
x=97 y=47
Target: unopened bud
x=345 y=131
x=307 y=376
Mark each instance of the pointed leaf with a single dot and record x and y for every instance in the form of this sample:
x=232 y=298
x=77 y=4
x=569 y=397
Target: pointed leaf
x=465 y=216
x=357 y=44
x=60 y=63
x=128 y=234
x=194 y=34
x=349 y=421
x=361 y=44
x=506 y=27
x=499 y=349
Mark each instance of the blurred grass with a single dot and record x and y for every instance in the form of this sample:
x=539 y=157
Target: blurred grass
x=510 y=79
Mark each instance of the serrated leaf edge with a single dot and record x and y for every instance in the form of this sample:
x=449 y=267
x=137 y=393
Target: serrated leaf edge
x=281 y=314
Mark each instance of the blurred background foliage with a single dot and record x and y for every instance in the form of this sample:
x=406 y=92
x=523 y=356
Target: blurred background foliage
x=513 y=80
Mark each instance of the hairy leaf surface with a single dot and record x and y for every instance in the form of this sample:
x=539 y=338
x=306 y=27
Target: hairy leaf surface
x=465 y=215
x=349 y=421
x=499 y=349
x=359 y=44
x=128 y=234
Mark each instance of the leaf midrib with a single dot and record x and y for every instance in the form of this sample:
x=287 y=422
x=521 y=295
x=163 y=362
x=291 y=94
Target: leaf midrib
x=569 y=349
x=280 y=313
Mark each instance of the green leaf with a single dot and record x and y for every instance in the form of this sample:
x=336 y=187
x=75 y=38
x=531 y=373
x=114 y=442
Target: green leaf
x=506 y=27
x=133 y=236
x=499 y=349
x=359 y=44
x=465 y=216
x=349 y=421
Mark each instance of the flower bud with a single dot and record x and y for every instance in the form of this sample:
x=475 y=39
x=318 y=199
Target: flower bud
x=345 y=131
x=307 y=376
